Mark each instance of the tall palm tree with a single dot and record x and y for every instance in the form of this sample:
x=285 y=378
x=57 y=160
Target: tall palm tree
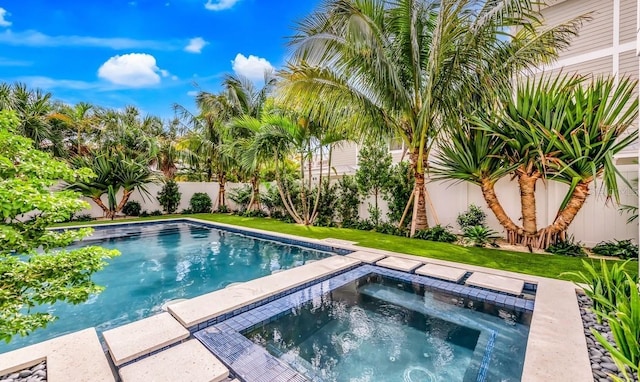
x=406 y=67
x=79 y=118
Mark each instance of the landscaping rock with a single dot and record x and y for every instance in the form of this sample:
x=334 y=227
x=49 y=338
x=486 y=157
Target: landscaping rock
x=37 y=373
x=602 y=364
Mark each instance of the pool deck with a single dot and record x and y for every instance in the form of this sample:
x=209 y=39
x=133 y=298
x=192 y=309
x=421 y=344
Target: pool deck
x=556 y=348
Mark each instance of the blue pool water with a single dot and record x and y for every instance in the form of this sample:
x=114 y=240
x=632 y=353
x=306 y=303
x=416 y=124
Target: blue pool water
x=378 y=329
x=162 y=262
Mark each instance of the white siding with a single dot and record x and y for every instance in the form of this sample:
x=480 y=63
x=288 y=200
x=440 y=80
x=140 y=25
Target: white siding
x=628 y=20
x=594 y=34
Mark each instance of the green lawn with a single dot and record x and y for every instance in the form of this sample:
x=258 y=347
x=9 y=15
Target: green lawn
x=534 y=264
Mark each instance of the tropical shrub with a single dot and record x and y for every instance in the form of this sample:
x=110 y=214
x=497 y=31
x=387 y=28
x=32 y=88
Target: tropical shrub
x=474 y=216
x=155 y=213
x=606 y=286
x=327 y=204
x=373 y=175
x=35 y=269
x=624 y=249
x=132 y=208
x=169 y=196
x=625 y=328
x=364 y=225
x=397 y=191
x=480 y=236
x=200 y=203
x=241 y=197
x=437 y=233
x=391 y=229
x=82 y=218
x=567 y=247
x=348 y=202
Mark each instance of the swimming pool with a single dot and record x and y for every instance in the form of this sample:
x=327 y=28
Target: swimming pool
x=375 y=324
x=162 y=262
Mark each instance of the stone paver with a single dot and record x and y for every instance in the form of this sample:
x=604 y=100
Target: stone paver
x=74 y=357
x=138 y=338
x=210 y=305
x=366 y=257
x=441 y=272
x=399 y=264
x=331 y=240
x=189 y=361
x=499 y=283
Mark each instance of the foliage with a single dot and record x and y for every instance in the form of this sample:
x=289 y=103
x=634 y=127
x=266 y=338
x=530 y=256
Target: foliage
x=624 y=249
x=169 y=196
x=480 y=236
x=132 y=208
x=32 y=270
x=373 y=175
x=567 y=247
x=82 y=218
x=200 y=203
x=241 y=196
x=605 y=285
x=327 y=204
x=398 y=190
x=625 y=327
x=472 y=217
x=348 y=202
x=565 y=129
x=364 y=225
x=155 y=213
x=391 y=229
x=437 y=233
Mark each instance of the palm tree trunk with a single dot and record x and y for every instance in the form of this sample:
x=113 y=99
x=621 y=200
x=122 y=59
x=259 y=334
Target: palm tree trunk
x=286 y=199
x=126 y=194
x=222 y=182
x=419 y=220
x=254 y=203
x=97 y=200
x=314 y=213
x=557 y=230
x=514 y=232
x=527 y=185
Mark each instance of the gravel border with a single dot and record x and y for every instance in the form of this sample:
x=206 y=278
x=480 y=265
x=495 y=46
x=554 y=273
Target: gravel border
x=37 y=373
x=602 y=364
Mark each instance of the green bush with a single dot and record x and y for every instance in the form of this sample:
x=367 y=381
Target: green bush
x=391 y=229
x=156 y=213
x=186 y=211
x=254 y=214
x=567 y=247
x=398 y=190
x=437 y=233
x=241 y=197
x=480 y=236
x=625 y=328
x=200 y=203
x=169 y=197
x=472 y=217
x=364 y=225
x=327 y=204
x=624 y=249
x=348 y=202
x=132 y=208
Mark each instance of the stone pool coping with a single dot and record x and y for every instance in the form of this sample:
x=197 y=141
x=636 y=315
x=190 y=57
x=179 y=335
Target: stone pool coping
x=556 y=348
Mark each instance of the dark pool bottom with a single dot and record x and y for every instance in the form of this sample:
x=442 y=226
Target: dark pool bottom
x=372 y=324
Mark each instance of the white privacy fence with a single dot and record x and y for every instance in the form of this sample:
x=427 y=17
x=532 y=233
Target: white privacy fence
x=596 y=221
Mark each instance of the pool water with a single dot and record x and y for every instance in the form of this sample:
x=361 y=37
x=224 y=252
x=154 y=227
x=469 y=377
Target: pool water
x=385 y=330
x=162 y=262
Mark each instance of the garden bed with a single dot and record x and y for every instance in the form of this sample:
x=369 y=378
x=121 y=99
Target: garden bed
x=36 y=373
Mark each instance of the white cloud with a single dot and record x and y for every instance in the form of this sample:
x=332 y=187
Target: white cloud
x=192 y=93
x=251 y=67
x=132 y=70
x=3 y=21
x=220 y=5
x=195 y=45
x=37 y=39
x=53 y=83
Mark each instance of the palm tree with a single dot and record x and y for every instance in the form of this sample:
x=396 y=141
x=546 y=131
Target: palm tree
x=79 y=118
x=201 y=146
x=407 y=67
x=562 y=129
x=114 y=172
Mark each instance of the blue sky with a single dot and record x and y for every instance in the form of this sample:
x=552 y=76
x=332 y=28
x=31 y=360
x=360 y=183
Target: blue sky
x=147 y=53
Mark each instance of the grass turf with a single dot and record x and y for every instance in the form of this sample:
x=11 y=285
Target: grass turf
x=545 y=265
